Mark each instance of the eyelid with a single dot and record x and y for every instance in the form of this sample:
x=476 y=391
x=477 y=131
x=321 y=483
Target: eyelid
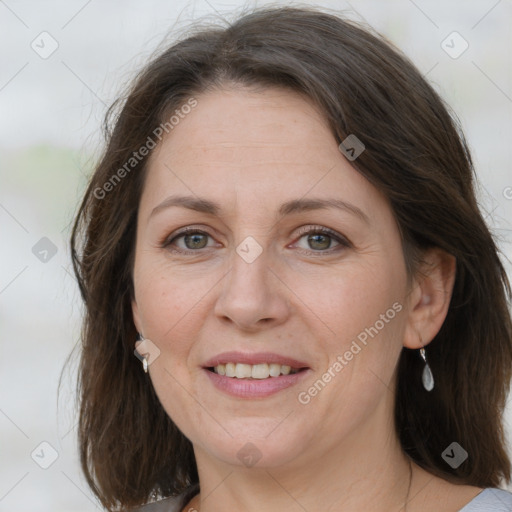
x=184 y=231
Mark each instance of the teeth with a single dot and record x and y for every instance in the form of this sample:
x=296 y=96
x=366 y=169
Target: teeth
x=285 y=370
x=260 y=371
x=243 y=371
x=275 y=370
x=254 y=371
x=230 y=369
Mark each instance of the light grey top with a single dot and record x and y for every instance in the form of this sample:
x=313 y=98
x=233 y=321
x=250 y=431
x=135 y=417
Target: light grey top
x=489 y=500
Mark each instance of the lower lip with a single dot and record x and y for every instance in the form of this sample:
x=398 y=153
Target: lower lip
x=254 y=388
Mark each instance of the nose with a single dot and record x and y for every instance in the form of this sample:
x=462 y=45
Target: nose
x=253 y=295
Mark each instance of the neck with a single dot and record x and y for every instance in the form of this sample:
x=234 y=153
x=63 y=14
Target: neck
x=368 y=471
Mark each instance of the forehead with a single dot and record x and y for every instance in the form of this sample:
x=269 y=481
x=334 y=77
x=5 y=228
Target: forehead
x=245 y=121
x=271 y=142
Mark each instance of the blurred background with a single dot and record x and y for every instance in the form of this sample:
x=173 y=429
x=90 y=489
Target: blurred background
x=62 y=64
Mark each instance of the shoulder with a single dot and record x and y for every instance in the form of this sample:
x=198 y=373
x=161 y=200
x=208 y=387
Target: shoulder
x=171 y=504
x=490 y=499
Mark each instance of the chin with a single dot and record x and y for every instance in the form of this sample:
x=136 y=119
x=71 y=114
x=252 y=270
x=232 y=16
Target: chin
x=256 y=443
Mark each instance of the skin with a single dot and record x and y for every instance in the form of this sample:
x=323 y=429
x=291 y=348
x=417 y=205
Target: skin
x=309 y=298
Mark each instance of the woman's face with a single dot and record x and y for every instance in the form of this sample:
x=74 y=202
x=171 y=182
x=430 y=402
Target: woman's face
x=291 y=259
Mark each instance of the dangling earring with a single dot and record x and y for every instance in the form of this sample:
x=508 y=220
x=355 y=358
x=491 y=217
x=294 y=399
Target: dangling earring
x=143 y=358
x=427 y=378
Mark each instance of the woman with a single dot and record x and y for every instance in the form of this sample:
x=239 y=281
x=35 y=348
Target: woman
x=283 y=229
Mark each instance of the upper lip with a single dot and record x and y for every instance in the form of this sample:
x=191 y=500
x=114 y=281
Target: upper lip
x=255 y=358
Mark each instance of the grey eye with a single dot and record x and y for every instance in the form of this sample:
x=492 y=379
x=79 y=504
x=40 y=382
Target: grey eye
x=196 y=240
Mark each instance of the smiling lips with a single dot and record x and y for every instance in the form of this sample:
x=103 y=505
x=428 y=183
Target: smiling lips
x=253 y=375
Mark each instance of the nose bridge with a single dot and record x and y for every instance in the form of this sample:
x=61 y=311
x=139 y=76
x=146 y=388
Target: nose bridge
x=251 y=292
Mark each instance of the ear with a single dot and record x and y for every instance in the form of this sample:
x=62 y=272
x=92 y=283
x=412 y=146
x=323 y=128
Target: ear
x=429 y=297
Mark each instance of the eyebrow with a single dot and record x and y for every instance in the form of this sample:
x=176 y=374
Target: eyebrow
x=294 y=206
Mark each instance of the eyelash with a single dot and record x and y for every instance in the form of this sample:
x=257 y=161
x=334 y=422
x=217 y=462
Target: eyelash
x=307 y=230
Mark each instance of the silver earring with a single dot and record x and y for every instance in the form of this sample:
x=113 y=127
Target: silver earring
x=427 y=378
x=144 y=357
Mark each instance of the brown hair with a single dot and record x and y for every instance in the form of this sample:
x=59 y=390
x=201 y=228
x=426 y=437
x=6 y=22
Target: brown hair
x=416 y=155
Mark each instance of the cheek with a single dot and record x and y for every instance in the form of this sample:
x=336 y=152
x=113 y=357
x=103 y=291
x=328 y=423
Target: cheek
x=172 y=307
x=168 y=300
x=354 y=299
x=365 y=313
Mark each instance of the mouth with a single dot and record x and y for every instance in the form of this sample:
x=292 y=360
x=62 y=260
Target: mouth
x=254 y=375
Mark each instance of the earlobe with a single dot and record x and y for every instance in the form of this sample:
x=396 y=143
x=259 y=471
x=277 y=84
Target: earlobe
x=430 y=297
